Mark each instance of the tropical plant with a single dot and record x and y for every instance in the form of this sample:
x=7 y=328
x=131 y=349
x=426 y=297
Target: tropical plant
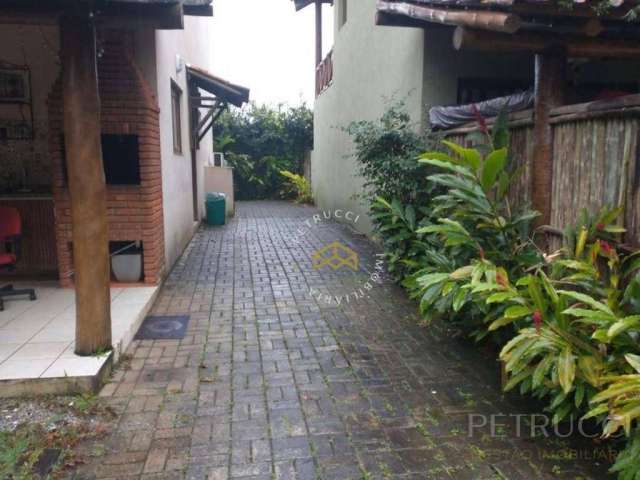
x=297 y=185
x=619 y=405
x=397 y=225
x=476 y=226
x=568 y=322
x=255 y=178
x=260 y=141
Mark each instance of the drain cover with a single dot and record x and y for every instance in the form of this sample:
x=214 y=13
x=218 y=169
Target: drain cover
x=170 y=327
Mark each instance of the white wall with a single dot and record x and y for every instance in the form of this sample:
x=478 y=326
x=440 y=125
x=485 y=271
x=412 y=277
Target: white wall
x=193 y=44
x=371 y=63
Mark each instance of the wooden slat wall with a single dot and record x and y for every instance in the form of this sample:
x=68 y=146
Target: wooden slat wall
x=596 y=163
x=38 y=254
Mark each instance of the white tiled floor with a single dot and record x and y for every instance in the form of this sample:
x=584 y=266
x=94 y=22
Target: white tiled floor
x=36 y=338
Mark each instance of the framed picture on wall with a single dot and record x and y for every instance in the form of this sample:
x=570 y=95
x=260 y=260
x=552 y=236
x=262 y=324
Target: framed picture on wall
x=15 y=85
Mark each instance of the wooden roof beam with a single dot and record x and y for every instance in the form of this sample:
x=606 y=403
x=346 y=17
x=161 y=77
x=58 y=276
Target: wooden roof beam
x=483 y=19
x=576 y=46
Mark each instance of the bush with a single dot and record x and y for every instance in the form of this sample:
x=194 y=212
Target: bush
x=298 y=186
x=386 y=151
x=568 y=323
x=259 y=142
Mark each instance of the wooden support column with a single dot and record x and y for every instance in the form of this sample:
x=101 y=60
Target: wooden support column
x=550 y=84
x=87 y=186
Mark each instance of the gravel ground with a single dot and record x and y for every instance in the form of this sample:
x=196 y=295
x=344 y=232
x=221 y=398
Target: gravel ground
x=48 y=412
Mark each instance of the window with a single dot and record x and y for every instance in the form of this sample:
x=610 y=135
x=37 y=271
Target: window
x=342 y=12
x=120 y=158
x=120 y=154
x=176 y=118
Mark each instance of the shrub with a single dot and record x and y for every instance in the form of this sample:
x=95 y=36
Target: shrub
x=297 y=185
x=395 y=185
x=386 y=150
x=568 y=323
x=259 y=142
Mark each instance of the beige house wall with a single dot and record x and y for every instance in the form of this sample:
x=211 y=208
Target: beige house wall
x=371 y=64
x=220 y=179
x=193 y=45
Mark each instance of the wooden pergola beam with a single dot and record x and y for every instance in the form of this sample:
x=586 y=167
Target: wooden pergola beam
x=483 y=19
x=87 y=185
x=482 y=40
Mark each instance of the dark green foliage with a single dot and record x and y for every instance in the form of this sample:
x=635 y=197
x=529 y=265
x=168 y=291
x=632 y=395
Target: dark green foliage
x=259 y=142
x=568 y=323
x=386 y=151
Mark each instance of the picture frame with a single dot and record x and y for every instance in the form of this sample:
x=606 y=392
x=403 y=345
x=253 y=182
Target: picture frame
x=15 y=85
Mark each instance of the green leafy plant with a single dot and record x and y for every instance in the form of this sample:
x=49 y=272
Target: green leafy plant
x=297 y=185
x=619 y=405
x=568 y=322
x=476 y=226
x=259 y=142
x=385 y=152
x=396 y=225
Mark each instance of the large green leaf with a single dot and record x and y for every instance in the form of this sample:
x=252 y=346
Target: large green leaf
x=623 y=325
x=541 y=370
x=470 y=156
x=634 y=361
x=500 y=297
x=501 y=322
x=517 y=311
x=566 y=369
x=431 y=279
x=494 y=164
x=451 y=166
x=581 y=297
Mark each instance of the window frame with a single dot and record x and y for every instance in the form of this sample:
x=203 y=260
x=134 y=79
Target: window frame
x=176 y=117
x=343 y=13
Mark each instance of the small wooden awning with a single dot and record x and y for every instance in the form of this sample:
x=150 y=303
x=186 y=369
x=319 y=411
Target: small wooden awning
x=300 y=4
x=222 y=93
x=223 y=90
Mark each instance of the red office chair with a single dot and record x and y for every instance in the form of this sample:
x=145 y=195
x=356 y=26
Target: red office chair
x=10 y=236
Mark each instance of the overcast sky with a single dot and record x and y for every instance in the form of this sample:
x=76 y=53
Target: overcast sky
x=269 y=47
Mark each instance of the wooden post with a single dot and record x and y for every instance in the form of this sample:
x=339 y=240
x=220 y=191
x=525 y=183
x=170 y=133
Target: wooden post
x=550 y=84
x=86 y=183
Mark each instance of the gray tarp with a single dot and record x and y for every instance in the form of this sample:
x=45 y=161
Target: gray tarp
x=457 y=115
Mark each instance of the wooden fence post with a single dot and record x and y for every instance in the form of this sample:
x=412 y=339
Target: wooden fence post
x=550 y=84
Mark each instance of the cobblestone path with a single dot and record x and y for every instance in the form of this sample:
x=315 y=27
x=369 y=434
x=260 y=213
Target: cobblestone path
x=273 y=381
